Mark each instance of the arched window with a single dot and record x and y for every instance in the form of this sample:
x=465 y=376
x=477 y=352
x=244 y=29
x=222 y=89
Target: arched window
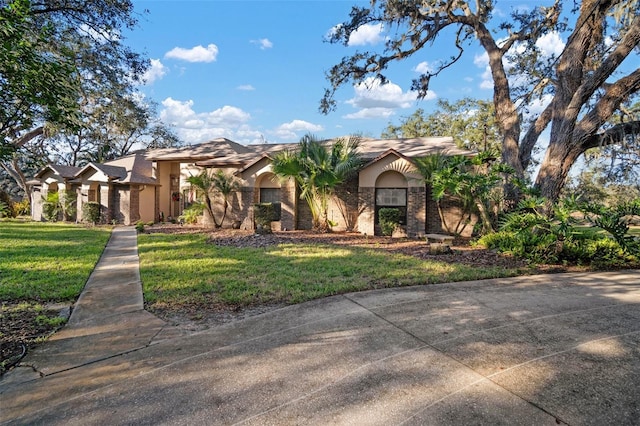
x=269 y=191
x=391 y=192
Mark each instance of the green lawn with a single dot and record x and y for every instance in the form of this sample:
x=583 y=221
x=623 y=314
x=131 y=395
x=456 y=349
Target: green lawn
x=185 y=269
x=47 y=261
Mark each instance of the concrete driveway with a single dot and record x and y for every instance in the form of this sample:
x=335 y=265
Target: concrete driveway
x=536 y=350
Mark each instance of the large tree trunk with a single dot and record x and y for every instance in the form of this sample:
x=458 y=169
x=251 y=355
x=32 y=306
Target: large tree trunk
x=506 y=112
x=560 y=156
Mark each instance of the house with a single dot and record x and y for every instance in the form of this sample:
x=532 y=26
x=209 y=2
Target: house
x=153 y=185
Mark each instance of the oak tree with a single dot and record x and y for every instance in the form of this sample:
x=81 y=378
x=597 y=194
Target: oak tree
x=585 y=83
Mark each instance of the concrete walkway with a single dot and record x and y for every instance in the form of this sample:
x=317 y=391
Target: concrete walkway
x=548 y=349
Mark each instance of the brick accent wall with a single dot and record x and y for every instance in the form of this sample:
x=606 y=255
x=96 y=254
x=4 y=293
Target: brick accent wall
x=347 y=203
x=366 y=209
x=416 y=211
x=452 y=212
x=134 y=204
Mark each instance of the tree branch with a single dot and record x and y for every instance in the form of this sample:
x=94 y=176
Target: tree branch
x=613 y=135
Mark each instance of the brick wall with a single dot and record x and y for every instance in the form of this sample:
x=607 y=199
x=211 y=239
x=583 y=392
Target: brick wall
x=366 y=206
x=416 y=211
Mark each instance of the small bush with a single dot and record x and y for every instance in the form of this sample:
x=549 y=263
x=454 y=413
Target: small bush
x=50 y=211
x=264 y=214
x=91 y=212
x=4 y=209
x=6 y=205
x=22 y=208
x=140 y=226
x=190 y=214
x=389 y=219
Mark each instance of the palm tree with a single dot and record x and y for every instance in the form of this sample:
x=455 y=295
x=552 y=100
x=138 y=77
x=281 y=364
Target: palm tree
x=318 y=170
x=208 y=184
x=224 y=184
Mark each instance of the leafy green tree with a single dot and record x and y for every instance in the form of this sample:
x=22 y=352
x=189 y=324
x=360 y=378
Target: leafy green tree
x=318 y=169
x=48 y=49
x=471 y=123
x=586 y=82
x=208 y=185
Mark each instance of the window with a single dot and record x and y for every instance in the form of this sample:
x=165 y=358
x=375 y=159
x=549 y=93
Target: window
x=270 y=195
x=391 y=197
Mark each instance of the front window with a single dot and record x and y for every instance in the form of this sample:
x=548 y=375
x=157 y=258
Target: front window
x=394 y=198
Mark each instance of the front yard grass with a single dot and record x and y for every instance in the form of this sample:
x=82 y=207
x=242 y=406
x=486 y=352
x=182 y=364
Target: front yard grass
x=41 y=264
x=47 y=262
x=179 y=269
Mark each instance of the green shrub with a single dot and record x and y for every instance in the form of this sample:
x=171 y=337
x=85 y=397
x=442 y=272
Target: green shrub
x=140 y=226
x=91 y=212
x=4 y=209
x=6 y=205
x=389 y=219
x=190 y=214
x=50 y=211
x=264 y=214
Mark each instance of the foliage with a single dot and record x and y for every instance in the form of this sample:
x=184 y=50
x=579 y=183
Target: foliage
x=389 y=219
x=318 y=169
x=51 y=206
x=184 y=268
x=208 y=185
x=580 y=87
x=22 y=208
x=474 y=181
x=139 y=227
x=471 y=123
x=91 y=212
x=6 y=206
x=190 y=214
x=615 y=220
x=531 y=233
x=47 y=261
x=4 y=209
x=49 y=51
x=263 y=215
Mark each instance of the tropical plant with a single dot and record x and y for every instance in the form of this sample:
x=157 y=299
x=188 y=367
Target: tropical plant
x=474 y=181
x=191 y=213
x=318 y=169
x=209 y=184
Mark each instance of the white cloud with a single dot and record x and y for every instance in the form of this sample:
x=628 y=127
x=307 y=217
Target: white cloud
x=155 y=72
x=375 y=100
x=295 y=129
x=370 y=113
x=195 y=127
x=195 y=54
x=367 y=34
x=423 y=68
x=550 y=44
x=246 y=87
x=264 y=43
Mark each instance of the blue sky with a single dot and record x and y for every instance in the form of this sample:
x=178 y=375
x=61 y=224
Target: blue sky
x=254 y=71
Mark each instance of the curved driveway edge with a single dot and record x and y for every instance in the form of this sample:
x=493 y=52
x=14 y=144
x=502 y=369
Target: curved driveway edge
x=547 y=349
